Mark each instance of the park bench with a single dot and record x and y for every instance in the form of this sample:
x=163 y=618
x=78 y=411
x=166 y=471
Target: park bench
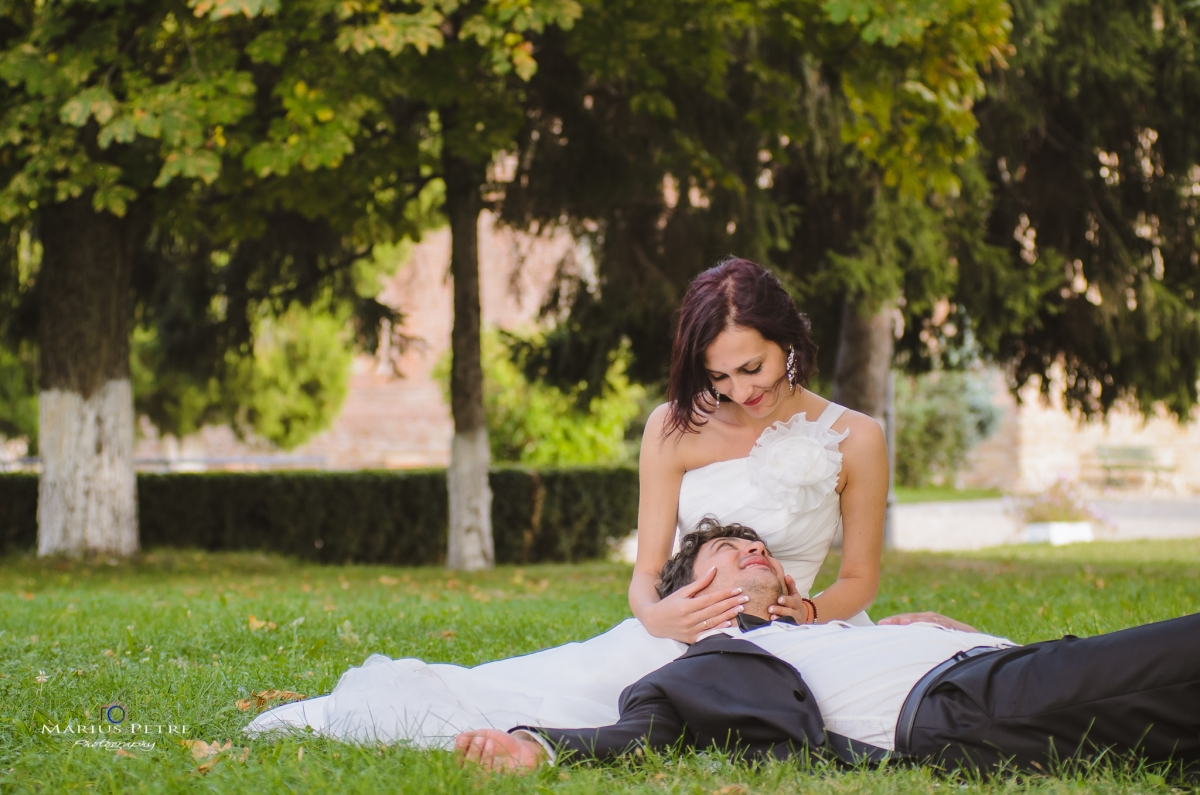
x=1122 y=464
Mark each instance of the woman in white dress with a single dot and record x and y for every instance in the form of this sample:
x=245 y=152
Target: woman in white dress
x=734 y=441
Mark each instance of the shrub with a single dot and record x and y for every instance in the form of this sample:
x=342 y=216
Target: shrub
x=390 y=517
x=535 y=423
x=18 y=512
x=940 y=416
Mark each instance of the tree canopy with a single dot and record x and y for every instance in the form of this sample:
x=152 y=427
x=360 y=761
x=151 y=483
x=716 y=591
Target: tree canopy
x=829 y=140
x=191 y=124
x=1045 y=182
x=1092 y=149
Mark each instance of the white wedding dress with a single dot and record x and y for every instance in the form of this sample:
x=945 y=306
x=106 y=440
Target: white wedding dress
x=785 y=490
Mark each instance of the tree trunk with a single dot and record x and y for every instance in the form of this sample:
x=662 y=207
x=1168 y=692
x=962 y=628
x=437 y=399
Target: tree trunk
x=470 y=546
x=87 y=493
x=864 y=359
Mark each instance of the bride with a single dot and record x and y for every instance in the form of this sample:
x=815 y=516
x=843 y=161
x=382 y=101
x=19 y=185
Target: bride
x=741 y=439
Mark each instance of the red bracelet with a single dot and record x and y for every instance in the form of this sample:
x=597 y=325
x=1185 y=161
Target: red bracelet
x=812 y=606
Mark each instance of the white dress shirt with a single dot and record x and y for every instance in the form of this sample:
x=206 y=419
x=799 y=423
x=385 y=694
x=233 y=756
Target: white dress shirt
x=860 y=675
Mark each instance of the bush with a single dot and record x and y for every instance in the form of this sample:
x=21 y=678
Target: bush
x=535 y=423
x=940 y=416
x=18 y=512
x=388 y=517
x=1062 y=502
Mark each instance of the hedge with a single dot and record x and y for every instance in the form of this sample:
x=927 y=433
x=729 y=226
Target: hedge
x=390 y=517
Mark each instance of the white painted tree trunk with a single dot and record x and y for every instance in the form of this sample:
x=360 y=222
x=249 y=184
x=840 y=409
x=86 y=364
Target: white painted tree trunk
x=470 y=547
x=87 y=493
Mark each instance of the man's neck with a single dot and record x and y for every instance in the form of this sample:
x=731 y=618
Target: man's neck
x=758 y=608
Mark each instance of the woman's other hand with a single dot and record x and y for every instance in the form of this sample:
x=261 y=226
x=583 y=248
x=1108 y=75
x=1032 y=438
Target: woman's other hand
x=790 y=605
x=926 y=618
x=687 y=613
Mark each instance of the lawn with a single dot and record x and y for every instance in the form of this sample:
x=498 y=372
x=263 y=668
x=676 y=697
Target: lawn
x=905 y=496
x=178 y=638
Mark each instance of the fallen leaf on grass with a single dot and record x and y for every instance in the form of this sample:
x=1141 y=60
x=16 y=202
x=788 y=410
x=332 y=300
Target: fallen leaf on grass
x=123 y=752
x=732 y=789
x=447 y=634
x=27 y=596
x=256 y=624
x=386 y=580
x=209 y=754
x=202 y=750
x=264 y=697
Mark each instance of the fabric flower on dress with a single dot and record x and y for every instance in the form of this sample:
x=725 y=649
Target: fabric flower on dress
x=796 y=463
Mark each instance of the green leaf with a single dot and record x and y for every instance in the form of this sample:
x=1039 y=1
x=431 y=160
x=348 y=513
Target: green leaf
x=269 y=158
x=393 y=32
x=200 y=164
x=269 y=47
x=122 y=130
x=856 y=12
x=113 y=198
x=96 y=101
x=219 y=9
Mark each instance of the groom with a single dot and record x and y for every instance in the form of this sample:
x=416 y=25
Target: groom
x=923 y=687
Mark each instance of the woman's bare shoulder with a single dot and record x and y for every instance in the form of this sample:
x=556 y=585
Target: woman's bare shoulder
x=656 y=424
x=866 y=434
x=676 y=445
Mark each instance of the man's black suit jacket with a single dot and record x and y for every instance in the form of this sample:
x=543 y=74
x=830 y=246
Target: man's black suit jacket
x=724 y=693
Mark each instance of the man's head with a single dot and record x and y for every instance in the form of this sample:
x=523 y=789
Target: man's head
x=740 y=557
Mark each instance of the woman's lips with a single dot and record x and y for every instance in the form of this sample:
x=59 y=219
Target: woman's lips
x=756 y=400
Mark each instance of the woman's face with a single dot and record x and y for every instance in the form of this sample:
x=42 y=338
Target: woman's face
x=747 y=369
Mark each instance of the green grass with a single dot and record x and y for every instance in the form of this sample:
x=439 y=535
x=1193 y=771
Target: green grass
x=944 y=494
x=169 y=637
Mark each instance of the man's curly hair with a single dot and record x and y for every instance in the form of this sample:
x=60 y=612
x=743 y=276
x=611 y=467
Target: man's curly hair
x=677 y=572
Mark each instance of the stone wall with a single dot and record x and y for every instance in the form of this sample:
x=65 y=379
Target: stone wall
x=1039 y=442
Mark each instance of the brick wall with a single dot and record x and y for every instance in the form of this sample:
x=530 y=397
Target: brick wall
x=390 y=421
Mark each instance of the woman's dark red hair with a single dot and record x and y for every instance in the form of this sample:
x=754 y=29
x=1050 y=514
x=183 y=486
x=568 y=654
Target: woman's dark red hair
x=736 y=292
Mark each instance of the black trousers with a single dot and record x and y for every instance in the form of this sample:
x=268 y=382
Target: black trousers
x=1132 y=691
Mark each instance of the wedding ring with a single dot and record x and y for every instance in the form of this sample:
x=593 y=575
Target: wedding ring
x=706 y=623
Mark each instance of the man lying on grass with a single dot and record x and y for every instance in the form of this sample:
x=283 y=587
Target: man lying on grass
x=918 y=686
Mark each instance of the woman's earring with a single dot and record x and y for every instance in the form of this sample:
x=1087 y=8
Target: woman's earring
x=713 y=391
x=790 y=369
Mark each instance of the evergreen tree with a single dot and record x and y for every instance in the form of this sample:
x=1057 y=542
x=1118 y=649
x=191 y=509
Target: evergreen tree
x=1092 y=149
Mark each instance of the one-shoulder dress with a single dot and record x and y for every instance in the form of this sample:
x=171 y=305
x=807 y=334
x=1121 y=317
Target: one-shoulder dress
x=785 y=490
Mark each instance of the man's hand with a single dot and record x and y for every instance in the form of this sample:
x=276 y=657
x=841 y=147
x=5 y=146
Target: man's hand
x=927 y=618
x=499 y=751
